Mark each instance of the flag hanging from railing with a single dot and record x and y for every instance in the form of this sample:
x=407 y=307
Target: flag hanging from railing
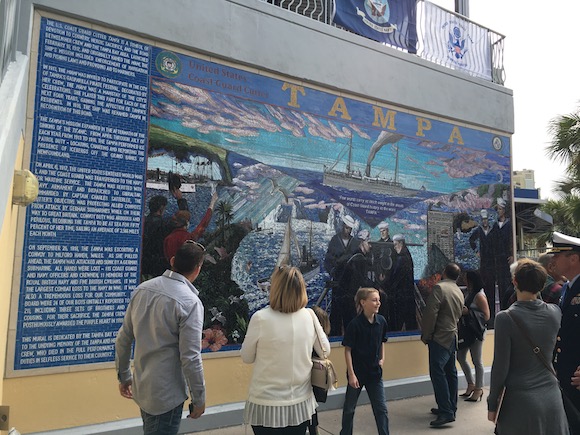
x=457 y=43
x=390 y=21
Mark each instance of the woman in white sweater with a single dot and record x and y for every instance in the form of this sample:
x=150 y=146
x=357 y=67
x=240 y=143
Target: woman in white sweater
x=279 y=342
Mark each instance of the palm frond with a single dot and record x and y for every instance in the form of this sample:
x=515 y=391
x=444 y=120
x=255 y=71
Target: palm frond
x=565 y=145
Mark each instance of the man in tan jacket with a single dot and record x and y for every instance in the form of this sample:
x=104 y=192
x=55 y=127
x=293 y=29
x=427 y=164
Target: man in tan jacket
x=440 y=319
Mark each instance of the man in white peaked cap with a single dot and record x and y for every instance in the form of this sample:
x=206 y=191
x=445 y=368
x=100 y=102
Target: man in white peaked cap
x=341 y=248
x=482 y=241
x=384 y=230
x=504 y=234
x=566 y=250
x=384 y=258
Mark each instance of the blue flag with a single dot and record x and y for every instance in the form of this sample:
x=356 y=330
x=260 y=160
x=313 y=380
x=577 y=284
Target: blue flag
x=390 y=21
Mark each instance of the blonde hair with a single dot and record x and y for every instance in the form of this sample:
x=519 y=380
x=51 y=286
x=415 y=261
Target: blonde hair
x=287 y=290
x=513 y=268
x=363 y=293
x=322 y=318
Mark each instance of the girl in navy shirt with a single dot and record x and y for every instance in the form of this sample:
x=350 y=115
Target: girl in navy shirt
x=364 y=352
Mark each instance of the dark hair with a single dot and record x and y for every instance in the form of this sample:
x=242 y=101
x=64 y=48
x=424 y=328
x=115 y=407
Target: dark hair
x=156 y=203
x=452 y=271
x=474 y=278
x=530 y=276
x=188 y=257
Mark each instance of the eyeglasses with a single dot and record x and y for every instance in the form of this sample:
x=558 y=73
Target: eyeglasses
x=193 y=242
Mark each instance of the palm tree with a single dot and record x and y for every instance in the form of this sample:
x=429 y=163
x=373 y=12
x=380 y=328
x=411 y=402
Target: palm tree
x=564 y=212
x=224 y=211
x=565 y=147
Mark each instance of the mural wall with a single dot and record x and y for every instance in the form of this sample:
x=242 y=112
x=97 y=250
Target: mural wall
x=138 y=148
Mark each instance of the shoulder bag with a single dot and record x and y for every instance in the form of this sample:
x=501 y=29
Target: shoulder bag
x=475 y=319
x=323 y=377
x=476 y=323
x=572 y=413
x=465 y=334
x=471 y=326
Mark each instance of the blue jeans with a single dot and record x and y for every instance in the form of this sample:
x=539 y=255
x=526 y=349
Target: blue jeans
x=376 y=394
x=443 y=377
x=164 y=424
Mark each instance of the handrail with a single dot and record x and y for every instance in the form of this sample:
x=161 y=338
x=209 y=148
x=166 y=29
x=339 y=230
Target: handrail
x=489 y=61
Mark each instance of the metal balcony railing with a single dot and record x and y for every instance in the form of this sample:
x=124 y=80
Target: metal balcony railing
x=488 y=62
x=320 y=10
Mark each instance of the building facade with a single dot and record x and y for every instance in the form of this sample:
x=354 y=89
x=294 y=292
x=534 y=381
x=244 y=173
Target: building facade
x=292 y=122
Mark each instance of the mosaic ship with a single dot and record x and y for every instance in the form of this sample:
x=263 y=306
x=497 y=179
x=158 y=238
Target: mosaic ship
x=354 y=179
x=308 y=265
x=200 y=171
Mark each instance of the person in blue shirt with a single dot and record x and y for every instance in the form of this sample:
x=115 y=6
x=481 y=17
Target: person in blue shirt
x=364 y=352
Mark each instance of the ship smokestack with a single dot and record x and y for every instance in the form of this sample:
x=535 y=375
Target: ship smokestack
x=386 y=137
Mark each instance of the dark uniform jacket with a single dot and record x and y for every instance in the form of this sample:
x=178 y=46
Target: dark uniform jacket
x=567 y=354
x=338 y=254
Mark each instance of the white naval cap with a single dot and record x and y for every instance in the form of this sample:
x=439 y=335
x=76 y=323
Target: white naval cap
x=564 y=243
x=398 y=238
x=348 y=221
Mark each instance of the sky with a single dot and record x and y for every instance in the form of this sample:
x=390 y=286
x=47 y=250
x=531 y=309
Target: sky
x=541 y=65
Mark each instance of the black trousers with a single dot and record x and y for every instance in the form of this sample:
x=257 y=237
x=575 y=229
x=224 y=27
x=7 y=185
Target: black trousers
x=289 y=430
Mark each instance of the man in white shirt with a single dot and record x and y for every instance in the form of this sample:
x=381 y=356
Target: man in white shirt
x=165 y=320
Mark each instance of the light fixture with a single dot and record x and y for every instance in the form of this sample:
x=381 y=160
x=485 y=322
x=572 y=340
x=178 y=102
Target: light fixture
x=25 y=190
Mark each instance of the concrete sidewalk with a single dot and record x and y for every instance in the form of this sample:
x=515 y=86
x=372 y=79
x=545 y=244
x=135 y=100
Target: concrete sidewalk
x=406 y=417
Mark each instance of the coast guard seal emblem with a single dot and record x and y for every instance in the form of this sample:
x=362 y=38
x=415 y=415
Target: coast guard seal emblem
x=168 y=64
x=456 y=44
x=376 y=15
